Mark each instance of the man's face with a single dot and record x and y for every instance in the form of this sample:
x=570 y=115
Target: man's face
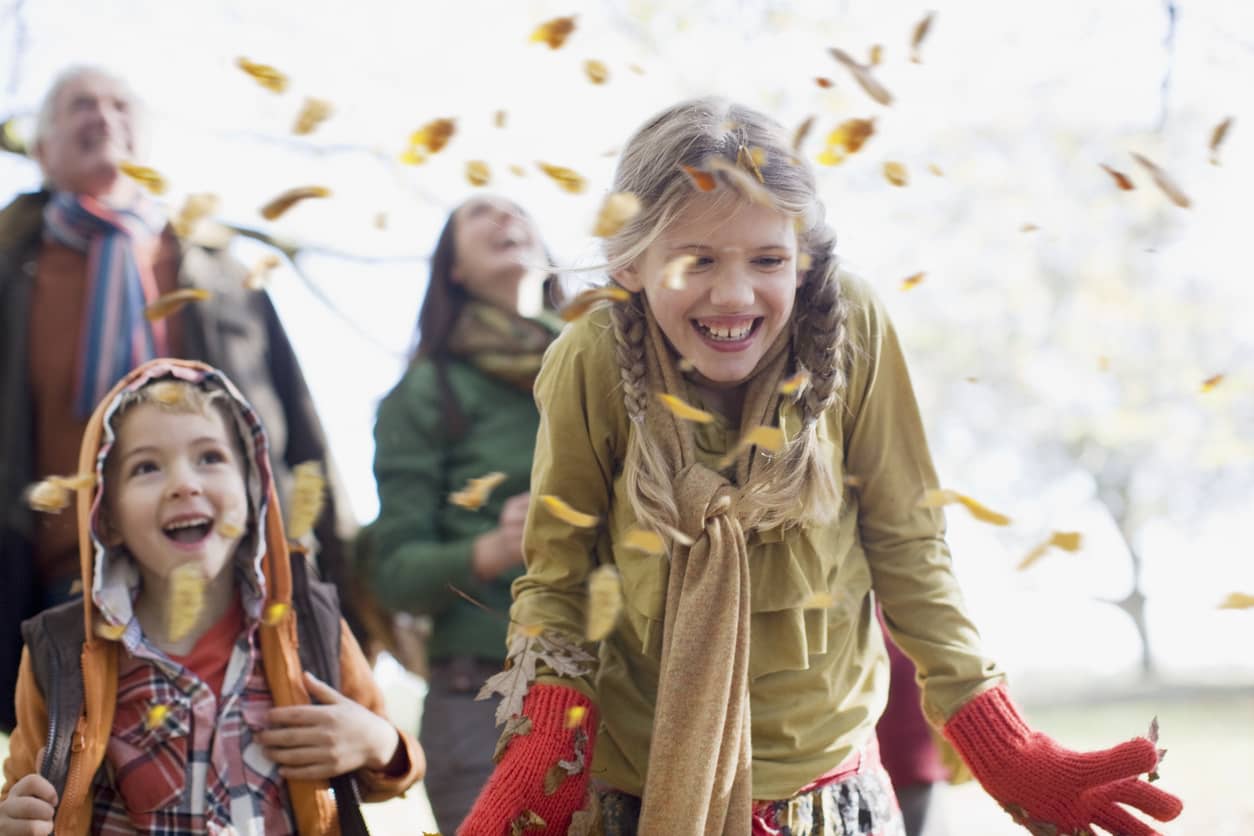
x=91 y=132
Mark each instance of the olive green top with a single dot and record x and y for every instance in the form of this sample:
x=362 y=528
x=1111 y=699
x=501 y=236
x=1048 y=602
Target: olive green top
x=818 y=676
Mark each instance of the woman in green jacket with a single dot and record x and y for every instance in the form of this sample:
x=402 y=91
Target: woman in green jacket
x=462 y=410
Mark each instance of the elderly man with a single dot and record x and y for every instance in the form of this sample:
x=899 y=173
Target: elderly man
x=79 y=261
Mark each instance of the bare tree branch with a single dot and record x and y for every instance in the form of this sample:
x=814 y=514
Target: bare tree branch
x=1169 y=42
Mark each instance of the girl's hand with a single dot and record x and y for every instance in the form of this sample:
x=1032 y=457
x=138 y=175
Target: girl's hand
x=322 y=741
x=29 y=808
x=500 y=549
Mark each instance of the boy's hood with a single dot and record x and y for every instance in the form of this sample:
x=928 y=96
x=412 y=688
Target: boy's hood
x=261 y=556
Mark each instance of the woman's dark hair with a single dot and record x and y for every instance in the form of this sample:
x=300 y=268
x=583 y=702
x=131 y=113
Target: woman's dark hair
x=441 y=307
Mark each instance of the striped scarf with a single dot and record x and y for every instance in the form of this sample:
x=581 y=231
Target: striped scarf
x=120 y=245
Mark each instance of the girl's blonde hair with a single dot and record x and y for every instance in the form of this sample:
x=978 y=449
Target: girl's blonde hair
x=714 y=135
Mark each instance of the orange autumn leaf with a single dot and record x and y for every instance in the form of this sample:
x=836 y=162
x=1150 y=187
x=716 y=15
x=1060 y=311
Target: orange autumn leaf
x=596 y=71
x=863 y=76
x=703 y=180
x=795 y=383
x=477 y=490
x=47 y=497
x=285 y=201
x=846 y=138
x=1217 y=136
x=265 y=75
x=1121 y=180
x=1065 y=540
x=567 y=179
x=145 y=176
x=684 y=411
x=1163 y=181
x=564 y=512
x=918 y=34
x=616 y=210
x=554 y=32
x=312 y=114
x=895 y=173
x=749 y=187
x=1209 y=384
x=478 y=173
x=169 y=303
x=910 y=282
x=593 y=298
x=427 y=140
x=936 y=498
x=605 y=603
x=822 y=82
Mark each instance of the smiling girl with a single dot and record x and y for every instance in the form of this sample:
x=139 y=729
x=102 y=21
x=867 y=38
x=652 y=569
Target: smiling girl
x=739 y=691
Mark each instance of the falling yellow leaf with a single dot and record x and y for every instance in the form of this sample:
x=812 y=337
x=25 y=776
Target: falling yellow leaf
x=937 y=498
x=935 y=169
x=427 y=140
x=910 y=282
x=554 y=32
x=752 y=159
x=1209 y=384
x=591 y=299
x=76 y=587
x=168 y=392
x=290 y=198
x=845 y=139
x=380 y=220
x=1029 y=228
x=636 y=68
x=863 y=76
x=517 y=170
x=155 y=716
x=742 y=181
x=1103 y=363
x=803 y=130
x=852 y=481
x=685 y=365
x=575 y=715
x=259 y=276
x=804 y=262
x=568 y=180
x=1163 y=181
x=877 y=55
x=649 y=542
x=567 y=514
x=616 y=210
x=229 y=530
x=167 y=304
x=1121 y=180
x=768 y=438
x=187 y=598
x=195 y=208
x=499 y=118
x=1217 y=137
x=477 y=490
x=308 y=496
x=109 y=632
x=596 y=71
x=531 y=631
x=275 y=613
x=605 y=602
x=145 y=176
x=674 y=273
x=896 y=173
x=822 y=82
x=795 y=383
x=48 y=497
x=265 y=75
x=703 y=180
x=312 y=114
x=819 y=601
x=1068 y=541
x=478 y=173
x=680 y=409
x=1238 y=601
x=918 y=34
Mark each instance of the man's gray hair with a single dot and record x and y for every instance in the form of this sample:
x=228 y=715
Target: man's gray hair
x=48 y=107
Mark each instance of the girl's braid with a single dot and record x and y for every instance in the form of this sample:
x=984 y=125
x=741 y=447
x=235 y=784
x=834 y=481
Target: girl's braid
x=629 y=335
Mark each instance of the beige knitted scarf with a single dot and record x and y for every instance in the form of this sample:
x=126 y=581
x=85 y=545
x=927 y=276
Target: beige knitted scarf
x=699 y=779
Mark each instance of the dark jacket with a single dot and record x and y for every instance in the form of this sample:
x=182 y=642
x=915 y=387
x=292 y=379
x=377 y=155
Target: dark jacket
x=238 y=331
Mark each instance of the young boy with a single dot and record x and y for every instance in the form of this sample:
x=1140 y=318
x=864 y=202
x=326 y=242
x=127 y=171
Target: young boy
x=196 y=712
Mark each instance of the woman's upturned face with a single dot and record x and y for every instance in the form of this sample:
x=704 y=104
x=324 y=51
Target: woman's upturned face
x=738 y=291
x=496 y=246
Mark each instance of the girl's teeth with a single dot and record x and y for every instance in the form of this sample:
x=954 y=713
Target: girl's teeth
x=727 y=333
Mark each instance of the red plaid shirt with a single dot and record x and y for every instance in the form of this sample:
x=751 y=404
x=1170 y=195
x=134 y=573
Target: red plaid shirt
x=198 y=770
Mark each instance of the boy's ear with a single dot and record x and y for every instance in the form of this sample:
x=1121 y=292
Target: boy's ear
x=629 y=278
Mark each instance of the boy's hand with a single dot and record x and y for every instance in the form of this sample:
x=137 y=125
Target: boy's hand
x=310 y=742
x=29 y=809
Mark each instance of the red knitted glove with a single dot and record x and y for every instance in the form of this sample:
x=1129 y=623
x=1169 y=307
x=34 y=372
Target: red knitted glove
x=518 y=784
x=1052 y=790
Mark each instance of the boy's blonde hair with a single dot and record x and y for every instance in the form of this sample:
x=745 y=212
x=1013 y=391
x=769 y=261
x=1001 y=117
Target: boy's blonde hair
x=798 y=485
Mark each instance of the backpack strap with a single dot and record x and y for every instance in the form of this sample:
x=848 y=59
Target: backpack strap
x=55 y=640
x=317 y=606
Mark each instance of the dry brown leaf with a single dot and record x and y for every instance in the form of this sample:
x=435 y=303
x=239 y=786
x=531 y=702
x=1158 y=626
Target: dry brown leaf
x=596 y=71
x=1238 y=601
x=682 y=410
x=1066 y=540
x=259 y=276
x=803 y=130
x=47 y=497
x=554 y=32
x=1209 y=384
x=526 y=649
x=795 y=383
x=145 y=176
x=752 y=159
x=1163 y=181
x=499 y=118
x=564 y=512
x=845 y=139
x=918 y=34
x=171 y=302
x=616 y=210
x=703 y=180
x=517 y=726
x=863 y=76
x=605 y=602
x=1121 y=180
x=524 y=821
x=649 y=542
x=308 y=496
x=1029 y=228
x=517 y=170
x=895 y=173
x=265 y=75
x=591 y=299
x=935 y=169
x=567 y=179
x=187 y=599
x=586 y=820
x=1217 y=137
x=195 y=208
x=913 y=281
x=937 y=498
x=477 y=490
x=564 y=769
x=822 y=82
x=742 y=181
x=312 y=114
x=109 y=632
x=276 y=207
x=478 y=173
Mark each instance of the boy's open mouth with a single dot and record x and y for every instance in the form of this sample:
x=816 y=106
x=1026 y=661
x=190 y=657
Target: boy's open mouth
x=188 y=530
x=727 y=331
